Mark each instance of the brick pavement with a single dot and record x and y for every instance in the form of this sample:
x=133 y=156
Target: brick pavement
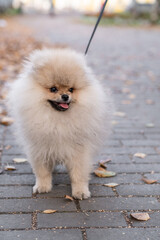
x=127 y=60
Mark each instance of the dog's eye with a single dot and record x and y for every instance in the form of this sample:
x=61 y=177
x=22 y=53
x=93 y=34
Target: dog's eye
x=53 y=89
x=70 y=90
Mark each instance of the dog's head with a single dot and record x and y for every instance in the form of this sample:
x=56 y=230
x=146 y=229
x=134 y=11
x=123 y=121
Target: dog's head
x=61 y=75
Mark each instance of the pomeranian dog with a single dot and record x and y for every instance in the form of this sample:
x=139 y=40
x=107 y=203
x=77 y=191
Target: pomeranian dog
x=62 y=115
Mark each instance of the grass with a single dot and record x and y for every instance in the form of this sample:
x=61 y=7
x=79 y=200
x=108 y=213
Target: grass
x=121 y=20
x=11 y=12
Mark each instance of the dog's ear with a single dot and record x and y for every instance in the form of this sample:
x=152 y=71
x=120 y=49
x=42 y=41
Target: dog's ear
x=32 y=62
x=28 y=65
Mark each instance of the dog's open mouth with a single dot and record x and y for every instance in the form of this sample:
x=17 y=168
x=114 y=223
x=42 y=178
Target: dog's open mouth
x=60 y=106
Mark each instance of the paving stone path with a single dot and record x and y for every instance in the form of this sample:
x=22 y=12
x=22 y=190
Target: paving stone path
x=128 y=61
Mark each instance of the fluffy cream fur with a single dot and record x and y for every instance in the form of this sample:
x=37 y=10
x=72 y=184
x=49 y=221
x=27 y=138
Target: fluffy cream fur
x=49 y=136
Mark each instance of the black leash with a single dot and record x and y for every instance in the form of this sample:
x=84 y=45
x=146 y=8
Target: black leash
x=98 y=20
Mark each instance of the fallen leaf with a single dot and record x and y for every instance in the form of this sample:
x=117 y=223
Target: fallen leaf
x=114 y=122
x=140 y=216
x=103 y=162
x=120 y=114
x=111 y=184
x=9 y=168
x=3 y=111
x=131 y=96
x=149 y=101
x=128 y=82
x=126 y=90
x=68 y=197
x=126 y=102
x=6 y=121
x=149 y=125
x=104 y=173
x=19 y=160
x=140 y=155
x=8 y=147
x=101 y=169
x=4 y=93
x=149 y=181
x=106 y=161
x=49 y=211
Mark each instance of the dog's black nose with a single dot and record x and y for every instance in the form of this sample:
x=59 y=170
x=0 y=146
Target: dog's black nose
x=65 y=97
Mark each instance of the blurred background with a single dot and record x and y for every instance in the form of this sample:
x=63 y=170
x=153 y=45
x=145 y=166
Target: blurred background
x=124 y=52
x=116 y=10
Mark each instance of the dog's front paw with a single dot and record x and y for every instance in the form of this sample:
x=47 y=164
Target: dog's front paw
x=42 y=186
x=81 y=195
x=41 y=189
x=80 y=191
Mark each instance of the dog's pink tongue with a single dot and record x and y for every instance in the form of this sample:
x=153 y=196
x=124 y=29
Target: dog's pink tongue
x=64 y=105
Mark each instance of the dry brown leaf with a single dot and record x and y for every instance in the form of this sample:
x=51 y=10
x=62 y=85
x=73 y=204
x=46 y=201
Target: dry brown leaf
x=68 y=197
x=8 y=147
x=149 y=101
x=149 y=181
x=131 y=96
x=6 y=121
x=101 y=169
x=111 y=184
x=106 y=161
x=102 y=165
x=49 y=211
x=114 y=122
x=4 y=93
x=19 y=160
x=103 y=162
x=140 y=216
x=103 y=173
x=9 y=168
x=126 y=102
x=140 y=155
x=3 y=112
x=128 y=82
x=126 y=90
x=120 y=114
